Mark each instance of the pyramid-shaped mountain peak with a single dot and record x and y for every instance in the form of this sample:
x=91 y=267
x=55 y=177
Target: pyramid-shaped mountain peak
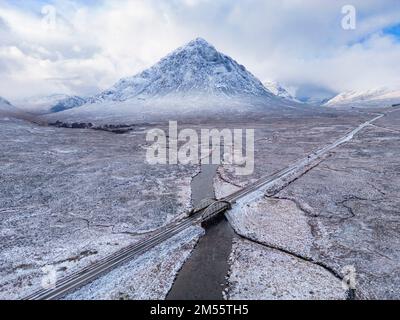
x=199 y=42
x=195 y=69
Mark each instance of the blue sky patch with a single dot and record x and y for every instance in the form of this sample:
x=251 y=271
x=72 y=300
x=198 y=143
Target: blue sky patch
x=393 y=31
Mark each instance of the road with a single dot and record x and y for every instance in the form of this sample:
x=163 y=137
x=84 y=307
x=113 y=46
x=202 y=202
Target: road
x=248 y=194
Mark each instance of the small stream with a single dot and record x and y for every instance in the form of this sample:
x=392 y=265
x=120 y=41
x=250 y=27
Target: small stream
x=203 y=275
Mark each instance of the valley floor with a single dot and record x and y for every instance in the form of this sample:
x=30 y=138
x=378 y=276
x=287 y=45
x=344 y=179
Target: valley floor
x=341 y=219
x=69 y=197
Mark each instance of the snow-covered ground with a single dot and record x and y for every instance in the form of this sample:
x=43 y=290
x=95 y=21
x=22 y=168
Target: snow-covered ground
x=276 y=223
x=156 y=109
x=222 y=186
x=262 y=273
x=70 y=197
x=150 y=277
x=352 y=203
x=282 y=140
x=339 y=216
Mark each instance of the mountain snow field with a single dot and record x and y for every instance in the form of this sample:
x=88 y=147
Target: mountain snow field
x=381 y=97
x=279 y=91
x=195 y=78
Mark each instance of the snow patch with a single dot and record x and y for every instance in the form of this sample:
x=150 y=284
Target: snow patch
x=261 y=273
x=150 y=277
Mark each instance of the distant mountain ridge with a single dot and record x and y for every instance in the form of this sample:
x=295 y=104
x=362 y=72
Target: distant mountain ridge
x=68 y=103
x=4 y=102
x=278 y=90
x=51 y=103
x=369 y=98
x=6 y=106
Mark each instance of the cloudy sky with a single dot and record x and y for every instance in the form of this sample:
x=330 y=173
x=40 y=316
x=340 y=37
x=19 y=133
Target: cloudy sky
x=81 y=47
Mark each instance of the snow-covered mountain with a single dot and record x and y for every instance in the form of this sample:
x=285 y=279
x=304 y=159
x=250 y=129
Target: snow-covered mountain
x=6 y=106
x=51 y=103
x=379 y=97
x=278 y=90
x=39 y=104
x=314 y=101
x=7 y=109
x=196 y=69
x=68 y=103
x=195 y=78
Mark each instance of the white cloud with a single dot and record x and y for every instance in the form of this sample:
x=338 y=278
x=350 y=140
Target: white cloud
x=295 y=42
